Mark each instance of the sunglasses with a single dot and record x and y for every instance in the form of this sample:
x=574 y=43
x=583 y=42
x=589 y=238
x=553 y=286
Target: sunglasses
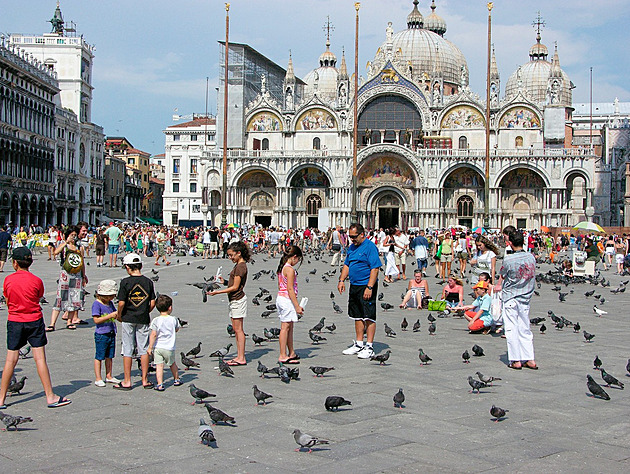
x=353 y=237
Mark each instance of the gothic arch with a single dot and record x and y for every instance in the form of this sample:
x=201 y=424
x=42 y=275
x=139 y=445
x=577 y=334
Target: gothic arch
x=572 y=174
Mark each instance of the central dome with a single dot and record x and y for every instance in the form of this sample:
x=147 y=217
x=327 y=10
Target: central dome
x=427 y=51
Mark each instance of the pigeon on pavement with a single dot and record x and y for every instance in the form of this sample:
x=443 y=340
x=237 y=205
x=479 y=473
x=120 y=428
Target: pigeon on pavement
x=381 y=358
x=319 y=326
x=260 y=396
x=543 y=328
x=404 y=324
x=386 y=306
x=194 y=351
x=257 y=339
x=188 y=363
x=307 y=441
x=466 y=357
x=399 y=398
x=17 y=386
x=221 y=352
x=333 y=403
x=425 y=359
x=218 y=416
x=205 y=433
x=224 y=368
x=610 y=380
x=262 y=369
x=597 y=363
x=416 y=326
x=320 y=371
x=331 y=328
x=389 y=331
x=589 y=337
x=497 y=413
x=475 y=385
x=478 y=351
x=599 y=312
x=199 y=394
x=316 y=338
x=24 y=351
x=487 y=380
x=13 y=420
x=596 y=389
x=432 y=328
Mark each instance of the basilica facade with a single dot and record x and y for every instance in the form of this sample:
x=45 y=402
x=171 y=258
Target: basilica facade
x=421 y=143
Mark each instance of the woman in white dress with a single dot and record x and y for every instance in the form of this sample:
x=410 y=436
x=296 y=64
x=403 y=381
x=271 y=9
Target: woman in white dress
x=391 y=270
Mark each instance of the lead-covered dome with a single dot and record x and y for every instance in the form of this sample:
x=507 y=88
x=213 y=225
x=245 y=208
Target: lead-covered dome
x=323 y=80
x=426 y=50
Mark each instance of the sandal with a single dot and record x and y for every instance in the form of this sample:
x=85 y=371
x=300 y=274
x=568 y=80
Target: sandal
x=178 y=382
x=148 y=386
x=533 y=367
x=120 y=386
x=50 y=328
x=159 y=388
x=235 y=363
x=512 y=366
x=60 y=403
x=71 y=326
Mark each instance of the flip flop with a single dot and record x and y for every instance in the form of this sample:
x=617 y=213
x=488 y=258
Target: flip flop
x=512 y=366
x=296 y=357
x=289 y=361
x=50 y=328
x=235 y=363
x=3 y=407
x=60 y=403
x=120 y=386
x=71 y=326
x=148 y=386
x=82 y=322
x=535 y=367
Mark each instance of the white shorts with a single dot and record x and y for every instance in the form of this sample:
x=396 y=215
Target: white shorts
x=610 y=250
x=238 y=308
x=619 y=258
x=286 y=310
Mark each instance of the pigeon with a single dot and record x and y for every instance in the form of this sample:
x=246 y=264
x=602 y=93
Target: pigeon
x=432 y=329
x=598 y=311
x=430 y=318
x=610 y=380
x=320 y=371
x=560 y=325
x=597 y=296
x=218 y=416
x=466 y=357
x=562 y=296
x=589 y=293
x=380 y=296
x=475 y=385
x=205 y=433
x=316 y=338
x=596 y=389
x=188 y=363
x=230 y=330
x=386 y=306
x=333 y=403
x=336 y=308
x=266 y=314
x=331 y=328
x=194 y=351
x=543 y=328
x=628 y=366
x=224 y=368
x=389 y=331
x=271 y=307
x=537 y=321
x=283 y=372
x=199 y=394
x=381 y=358
x=269 y=334
x=201 y=267
x=262 y=369
x=17 y=386
x=589 y=337
x=255 y=301
x=24 y=351
x=576 y=327
x=416 y=326
x=602 y=300
x=313 y=271
x=257 y=340
x=307 y=441
x=319 y=326
x=478 y=351
x=385 y=285
x=182 y=323
x=597 y=363
x=404 y=324
x=267 y=299
x=294 y=373
x=399 y=398
x=332 y=295
x=498 y=413
x=12 y=420
x=486 y=380
x=260 y=396
x=425 y=359
x=221 y=352
x=155 y=278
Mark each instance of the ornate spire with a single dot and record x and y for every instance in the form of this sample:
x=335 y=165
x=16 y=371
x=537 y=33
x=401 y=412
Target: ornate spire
x=415 y=20
x=290 y=75
x=556 y=71
x=328 y=58
x=343 y=69
x=57 y=21
x=434 y=22
x=494 y=70
x=538 y=51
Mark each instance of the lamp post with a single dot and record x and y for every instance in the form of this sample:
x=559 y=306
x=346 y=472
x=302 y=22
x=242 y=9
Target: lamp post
x=486 y=194
x=225 y=121
x=353 y=211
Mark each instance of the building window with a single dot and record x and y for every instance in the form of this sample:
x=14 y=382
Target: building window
x=518 y=141
x=193 y=187
x=193 y=138
x=313 y=204
x=465 y=206
x=317 y=143
x=131 y=161
x=174 y=218
x=175 y=187
x=265 y=144
x=196 y=207
x=193 y=166
x=175 y=165
x=176 y=137
x=463 y=143
x=211 y=136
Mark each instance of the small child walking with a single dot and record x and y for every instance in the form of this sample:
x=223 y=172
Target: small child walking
x=104 y=316
x=162 y=338
x=239 y=253
x=25 y=324
x=287 y=303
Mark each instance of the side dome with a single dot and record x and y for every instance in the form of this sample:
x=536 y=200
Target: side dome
x=323 y=80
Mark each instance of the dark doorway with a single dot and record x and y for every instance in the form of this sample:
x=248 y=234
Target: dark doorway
x=521 y=223
x=466 y=223
x=265 y=221
x=313 y=222
x=387 y=217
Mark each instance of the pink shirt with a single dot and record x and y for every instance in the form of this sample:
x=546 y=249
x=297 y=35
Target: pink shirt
x=283 y=282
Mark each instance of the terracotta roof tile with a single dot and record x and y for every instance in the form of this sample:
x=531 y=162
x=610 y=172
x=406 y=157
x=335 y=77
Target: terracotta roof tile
x=197 y=122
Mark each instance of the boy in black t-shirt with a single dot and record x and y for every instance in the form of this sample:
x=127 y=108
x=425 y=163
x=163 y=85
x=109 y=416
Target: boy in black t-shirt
x=136 y=299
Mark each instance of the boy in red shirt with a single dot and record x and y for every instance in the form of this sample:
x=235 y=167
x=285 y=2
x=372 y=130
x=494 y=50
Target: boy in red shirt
x=23 y=291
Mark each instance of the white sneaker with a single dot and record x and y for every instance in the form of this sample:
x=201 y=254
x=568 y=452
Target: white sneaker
x=99 y=383
x=365 y=353
x=113 y=380
x=353 y=349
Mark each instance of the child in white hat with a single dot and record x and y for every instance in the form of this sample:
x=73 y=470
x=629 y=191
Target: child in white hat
x=104 y=315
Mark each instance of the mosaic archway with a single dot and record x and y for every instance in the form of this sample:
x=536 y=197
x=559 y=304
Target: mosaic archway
x=522 y=178
x=386 y=169
x=310 y=177
x=464 y=178
x=462 y=116
x=256 y=179
x=264 y=122
x=519 y=117
x=316 y=119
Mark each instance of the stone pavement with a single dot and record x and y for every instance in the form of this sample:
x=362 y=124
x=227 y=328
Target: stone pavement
x=553 y=425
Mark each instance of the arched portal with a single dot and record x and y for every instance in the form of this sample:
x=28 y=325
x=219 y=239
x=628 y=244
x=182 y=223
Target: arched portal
x=394 y=118
x=463 y=195
x=465 y=211
x=261 y=204
x=388 y=207
x=256 y=189
x=522 y=198
x=313 y=205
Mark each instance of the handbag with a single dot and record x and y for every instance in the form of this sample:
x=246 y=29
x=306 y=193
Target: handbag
x=436 y=305
x=439 y=252
x=496 y=307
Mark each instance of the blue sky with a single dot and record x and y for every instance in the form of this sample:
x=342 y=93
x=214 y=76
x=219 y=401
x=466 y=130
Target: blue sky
x=153 y=56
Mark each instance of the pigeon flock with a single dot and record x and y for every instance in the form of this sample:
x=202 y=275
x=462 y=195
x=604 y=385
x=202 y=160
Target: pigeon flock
x=559 y=321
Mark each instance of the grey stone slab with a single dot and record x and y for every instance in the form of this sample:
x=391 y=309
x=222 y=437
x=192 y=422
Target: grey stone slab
x=352 y=448
x=347 y=415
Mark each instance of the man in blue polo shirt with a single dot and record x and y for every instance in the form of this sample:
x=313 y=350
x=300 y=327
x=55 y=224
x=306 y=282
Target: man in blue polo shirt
x=362 y=264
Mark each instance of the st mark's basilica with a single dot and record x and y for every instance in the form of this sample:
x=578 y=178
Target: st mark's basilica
x=421 y=139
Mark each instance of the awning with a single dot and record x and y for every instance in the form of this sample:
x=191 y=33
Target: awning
x=149 y=220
